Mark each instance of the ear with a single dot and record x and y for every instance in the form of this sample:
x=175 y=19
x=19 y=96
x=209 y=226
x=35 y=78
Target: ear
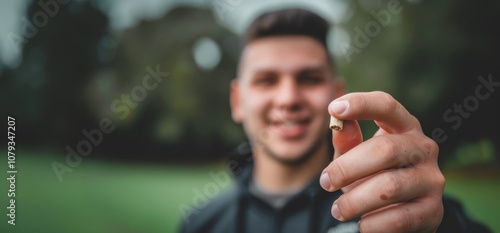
x=234 y=101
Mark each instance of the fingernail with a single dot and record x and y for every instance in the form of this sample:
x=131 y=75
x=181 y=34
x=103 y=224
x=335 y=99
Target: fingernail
x=336 y=212
x=340 y=106
x=324 y=181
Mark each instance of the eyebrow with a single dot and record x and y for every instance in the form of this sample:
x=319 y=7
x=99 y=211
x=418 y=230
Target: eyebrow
x=302 y=71
x=315 y=69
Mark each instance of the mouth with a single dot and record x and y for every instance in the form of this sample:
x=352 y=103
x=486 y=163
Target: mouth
x=290 y=129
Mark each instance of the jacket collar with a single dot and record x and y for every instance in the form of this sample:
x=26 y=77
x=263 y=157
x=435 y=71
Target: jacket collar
x=241 y=166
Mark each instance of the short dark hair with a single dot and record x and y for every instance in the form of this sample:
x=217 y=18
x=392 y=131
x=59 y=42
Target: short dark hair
x=286 y=22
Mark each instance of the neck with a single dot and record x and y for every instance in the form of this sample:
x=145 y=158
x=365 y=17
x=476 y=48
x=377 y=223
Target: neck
x=278 y=177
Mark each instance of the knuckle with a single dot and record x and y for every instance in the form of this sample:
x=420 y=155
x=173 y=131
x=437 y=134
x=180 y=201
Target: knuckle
x=440 y=180
x=416 y=156
x=402 y=222
x=439 y=211
x=347 y=207
x=358 y=103
x=340 y=179
x=431 y=218
x=416 y=122
x=390 y=103
x=393 y=186
x=431 y=147
x=386 y=148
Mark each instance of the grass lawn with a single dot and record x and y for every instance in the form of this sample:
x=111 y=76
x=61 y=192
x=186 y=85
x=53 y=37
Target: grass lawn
x=479 y=191
x=100 y=196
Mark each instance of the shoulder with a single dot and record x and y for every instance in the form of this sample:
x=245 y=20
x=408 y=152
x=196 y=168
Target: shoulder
x=206 y=215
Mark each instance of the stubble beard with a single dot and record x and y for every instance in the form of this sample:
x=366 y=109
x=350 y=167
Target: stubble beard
x=293 y=162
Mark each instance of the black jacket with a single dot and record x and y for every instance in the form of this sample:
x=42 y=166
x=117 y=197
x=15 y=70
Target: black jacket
x=308 y=211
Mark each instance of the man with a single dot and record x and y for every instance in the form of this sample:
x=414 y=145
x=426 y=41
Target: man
x=283 y=92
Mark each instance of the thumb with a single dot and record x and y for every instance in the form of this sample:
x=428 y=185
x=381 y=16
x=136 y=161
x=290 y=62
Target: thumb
x=348 y=138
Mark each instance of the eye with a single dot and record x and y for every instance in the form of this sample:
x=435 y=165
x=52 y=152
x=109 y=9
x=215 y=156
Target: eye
x=265 y=80
x=310 y=79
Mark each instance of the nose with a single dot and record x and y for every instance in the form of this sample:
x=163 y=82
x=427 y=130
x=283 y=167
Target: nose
x=288 y=96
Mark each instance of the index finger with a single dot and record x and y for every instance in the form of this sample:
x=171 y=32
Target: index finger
x=379 y=106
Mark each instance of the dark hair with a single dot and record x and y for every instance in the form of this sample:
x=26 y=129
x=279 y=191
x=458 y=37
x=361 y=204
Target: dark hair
x=298 y=22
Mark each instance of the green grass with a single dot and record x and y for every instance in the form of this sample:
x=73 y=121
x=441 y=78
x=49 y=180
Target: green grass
x=479 y=192
x=101 y=196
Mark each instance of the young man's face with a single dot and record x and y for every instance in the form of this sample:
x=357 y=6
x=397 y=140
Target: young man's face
x=281 y=96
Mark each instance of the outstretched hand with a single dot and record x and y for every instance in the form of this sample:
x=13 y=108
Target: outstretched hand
x=392 y=180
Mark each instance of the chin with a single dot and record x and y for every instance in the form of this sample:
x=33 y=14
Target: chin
x=292 y=155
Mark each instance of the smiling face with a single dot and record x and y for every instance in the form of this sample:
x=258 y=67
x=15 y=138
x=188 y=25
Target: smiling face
x=281 y=96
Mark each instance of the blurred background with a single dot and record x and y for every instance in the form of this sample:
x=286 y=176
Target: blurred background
x=139 y=91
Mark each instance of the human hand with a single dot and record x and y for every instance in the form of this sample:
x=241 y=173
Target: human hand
x=392 y=180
